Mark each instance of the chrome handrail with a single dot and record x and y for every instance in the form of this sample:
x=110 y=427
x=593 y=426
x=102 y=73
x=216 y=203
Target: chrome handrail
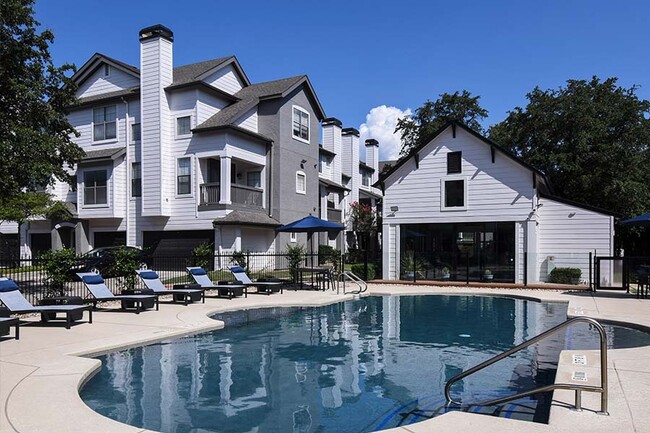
x=602 y=389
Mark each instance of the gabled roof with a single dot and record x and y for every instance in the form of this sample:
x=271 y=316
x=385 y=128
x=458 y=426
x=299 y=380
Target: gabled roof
x=251 y=96
x=133 y=91
x=455 y=124
x=103 y=154
x=183 y=75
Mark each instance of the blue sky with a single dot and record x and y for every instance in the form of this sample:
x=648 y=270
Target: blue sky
x=372 y=61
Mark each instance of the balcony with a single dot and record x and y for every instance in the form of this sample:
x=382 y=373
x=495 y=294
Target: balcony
x=241 y=195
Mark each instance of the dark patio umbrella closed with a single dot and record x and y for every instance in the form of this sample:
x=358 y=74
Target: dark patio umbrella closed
x=639 y=221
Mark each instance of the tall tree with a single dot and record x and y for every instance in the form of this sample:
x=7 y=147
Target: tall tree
x=591 y=138
x=432 y=115
x=35 y=135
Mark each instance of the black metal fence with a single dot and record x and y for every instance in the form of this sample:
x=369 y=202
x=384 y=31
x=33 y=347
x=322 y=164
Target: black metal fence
x=32 y=278
x=620 y=273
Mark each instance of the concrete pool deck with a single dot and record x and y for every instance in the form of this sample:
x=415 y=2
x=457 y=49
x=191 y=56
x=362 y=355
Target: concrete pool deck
x=41 y=373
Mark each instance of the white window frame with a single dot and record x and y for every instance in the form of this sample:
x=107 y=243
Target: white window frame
x=295 y=137
x=131 y=196
x=293 y=237
x=82 y=190
x=132 y=139
x=181 y=116
x=92 y=125
x=191 y=193
x=443 y=208
x=298 y=174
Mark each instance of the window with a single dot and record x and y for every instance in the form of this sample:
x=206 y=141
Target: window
x=300 y=124
x=254 y=179
x=136 y=133
x=183 y=126
x=136 y=179
x=365 y=178
x=104 y=123
x=454 y=162
x=107 y=70
x=301 y=182
x=95 y=187
x=293 y=237
x=332 y=198
x=184 y=176
x=454 y=194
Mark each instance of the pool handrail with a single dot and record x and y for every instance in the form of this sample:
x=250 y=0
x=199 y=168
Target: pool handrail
x=602 y=389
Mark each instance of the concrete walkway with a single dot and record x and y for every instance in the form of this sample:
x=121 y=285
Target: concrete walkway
x=41 y=373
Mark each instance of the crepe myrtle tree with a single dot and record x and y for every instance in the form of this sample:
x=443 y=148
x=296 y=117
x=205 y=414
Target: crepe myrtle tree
x=364 y=221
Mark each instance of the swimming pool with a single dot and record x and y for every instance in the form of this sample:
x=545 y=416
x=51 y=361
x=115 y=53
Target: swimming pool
x=357 y=366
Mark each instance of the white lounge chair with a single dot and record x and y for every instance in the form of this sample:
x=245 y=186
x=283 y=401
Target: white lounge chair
x=267 y=287
x=152 y=281
x=201 y=277
x=16 y=303
x=97 y=287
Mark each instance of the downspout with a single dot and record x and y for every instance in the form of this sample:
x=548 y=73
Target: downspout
x=127 y=220
x=270 y=188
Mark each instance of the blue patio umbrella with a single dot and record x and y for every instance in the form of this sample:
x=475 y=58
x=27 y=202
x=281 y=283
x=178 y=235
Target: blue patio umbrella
x=639 y=221
x=310 y=225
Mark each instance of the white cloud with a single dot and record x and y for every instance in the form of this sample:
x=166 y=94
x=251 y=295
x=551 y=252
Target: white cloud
x=380 y=125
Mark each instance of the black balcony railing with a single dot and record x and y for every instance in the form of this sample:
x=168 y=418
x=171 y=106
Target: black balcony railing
x=239 y=194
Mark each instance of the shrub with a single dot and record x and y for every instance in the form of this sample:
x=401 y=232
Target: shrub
x=295 y=256
x=359 y=269
x=58 y=265
x=328 y=254
x=203 y=255
x=124 y=264
x=240 y=258
x=565 y=276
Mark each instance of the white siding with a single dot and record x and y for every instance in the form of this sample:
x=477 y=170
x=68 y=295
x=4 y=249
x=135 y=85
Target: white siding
x=569 y=234
x=225 y=79
x=248 y=120
x=499 y=191
x=207 y=106
x=157 y=164
x=97 y=83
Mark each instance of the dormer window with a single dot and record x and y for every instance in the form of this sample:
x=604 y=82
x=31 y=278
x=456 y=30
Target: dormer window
x=454 y=162
x=105 y=123
x=300 y=124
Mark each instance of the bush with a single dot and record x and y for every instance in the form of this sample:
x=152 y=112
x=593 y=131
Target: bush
x=57 y=265
x=359 y=270
x=328 y=254
x=295 y=256
x=203 y=255
x=565 y=276
x=240 y=258
x=124 y=264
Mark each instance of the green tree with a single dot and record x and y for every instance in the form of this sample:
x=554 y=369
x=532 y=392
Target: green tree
x=35 y=135
x=432 y=115
x=21 y=207
x=590 y=138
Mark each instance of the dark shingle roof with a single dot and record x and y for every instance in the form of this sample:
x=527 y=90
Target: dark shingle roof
x=239 y=217
x=249 y=98
x=110 y=153
x=189 y=73
x=133 y=91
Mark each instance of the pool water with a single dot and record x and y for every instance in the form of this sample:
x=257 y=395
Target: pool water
x=354 y=367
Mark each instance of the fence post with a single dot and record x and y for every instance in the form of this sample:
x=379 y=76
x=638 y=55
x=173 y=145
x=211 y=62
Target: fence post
x=415 y=268
x=525 y=268
x=365 y=264
x=591 y=288
x=467 y=268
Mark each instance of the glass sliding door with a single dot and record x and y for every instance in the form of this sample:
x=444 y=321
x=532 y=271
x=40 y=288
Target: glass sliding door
x=458 y=251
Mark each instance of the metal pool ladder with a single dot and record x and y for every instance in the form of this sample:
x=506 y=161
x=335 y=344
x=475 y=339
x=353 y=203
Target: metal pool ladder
x=351 y=276
x=602 y=389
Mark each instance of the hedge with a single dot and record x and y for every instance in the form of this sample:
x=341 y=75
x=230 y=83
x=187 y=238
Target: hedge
x=359 y=268
x=565 y=276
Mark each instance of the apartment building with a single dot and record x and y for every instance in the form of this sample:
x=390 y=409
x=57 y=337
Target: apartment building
x=177 y=156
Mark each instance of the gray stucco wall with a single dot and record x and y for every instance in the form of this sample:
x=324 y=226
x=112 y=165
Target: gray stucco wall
x=275 y=120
